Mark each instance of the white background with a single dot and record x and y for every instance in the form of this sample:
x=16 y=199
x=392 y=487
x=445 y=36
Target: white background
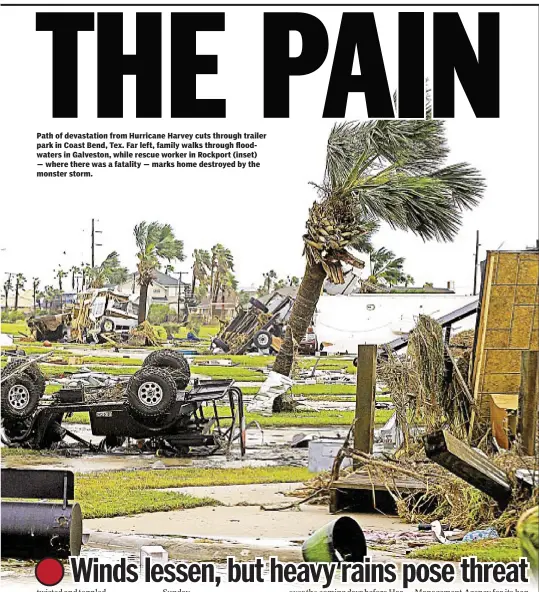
x=259 y=214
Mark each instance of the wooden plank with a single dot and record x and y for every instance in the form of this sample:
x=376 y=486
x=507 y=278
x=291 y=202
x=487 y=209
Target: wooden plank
x=364 y=481
x=365 y=398
x=468 y=464
x=528 y=400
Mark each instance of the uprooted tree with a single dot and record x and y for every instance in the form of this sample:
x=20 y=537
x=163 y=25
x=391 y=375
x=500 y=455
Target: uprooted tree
x=377 y=171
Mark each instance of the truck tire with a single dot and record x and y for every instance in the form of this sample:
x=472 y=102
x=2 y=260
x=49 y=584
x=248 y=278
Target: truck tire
x=257 y=304
x=107 y=326
x=262 y=340
x=151 y=392
x=221 y=344
x=19 y=396
x=33 y=371
x=174 y=362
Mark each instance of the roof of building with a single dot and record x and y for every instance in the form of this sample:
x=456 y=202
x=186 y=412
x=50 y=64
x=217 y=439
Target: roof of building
x=164 y=279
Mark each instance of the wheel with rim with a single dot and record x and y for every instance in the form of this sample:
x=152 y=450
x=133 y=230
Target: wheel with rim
x=33 y=371
x=19 y=396
x=172 y=360
x=221 y=344
x=151 y=392
x=107 y=326
x=262 y=339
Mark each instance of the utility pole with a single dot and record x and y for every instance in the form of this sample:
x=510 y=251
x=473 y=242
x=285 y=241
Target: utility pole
x=94 y=244
x=477 y=245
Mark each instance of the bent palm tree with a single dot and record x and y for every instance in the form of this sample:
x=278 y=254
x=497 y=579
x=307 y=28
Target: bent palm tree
x=201 y=271
x=391 y=171
x=155 y=241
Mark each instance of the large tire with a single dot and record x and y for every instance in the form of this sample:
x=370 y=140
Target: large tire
x=107 y=326
x=33 y=371
x=221 y=344
x=19 y=396
x=172 y=360
x=257 y=304
x=262 y=340
x=151 y=392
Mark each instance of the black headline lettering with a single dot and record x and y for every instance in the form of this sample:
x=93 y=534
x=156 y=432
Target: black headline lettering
x=453 y=56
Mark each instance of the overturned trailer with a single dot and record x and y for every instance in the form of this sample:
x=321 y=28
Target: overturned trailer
x=261 y=326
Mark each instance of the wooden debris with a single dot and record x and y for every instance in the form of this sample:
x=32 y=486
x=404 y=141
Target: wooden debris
x=470 y=465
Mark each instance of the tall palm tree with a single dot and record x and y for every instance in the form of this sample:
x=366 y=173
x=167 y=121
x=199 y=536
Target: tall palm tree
x=269 y=278
x=35 y=290
x=50 y=293
x=86 y=272
x=201 y=271
x=60 y=275
x=20 y=281
x=392 y=171
x=222 y=262
x=7 y=289
x=75 y=271
x=155 y=241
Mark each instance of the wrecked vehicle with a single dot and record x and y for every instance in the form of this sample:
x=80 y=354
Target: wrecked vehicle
x=50 y=327
x=156 y=406
x=261 y=327
x=102 y=311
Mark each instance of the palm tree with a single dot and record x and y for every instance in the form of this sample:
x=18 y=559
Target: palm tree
x=86 y=270
x=60 y=275
x=110 y=271
x=35 y=290
x=155 y=241
x=7 y=289
x=169 y=268
x=269 y=278
x=201 y=270
x=20 y=281
x=392 y=171
x=408 y=279
x=75 y=271
x=50 y=293
x=222 y=262
x=386 y=266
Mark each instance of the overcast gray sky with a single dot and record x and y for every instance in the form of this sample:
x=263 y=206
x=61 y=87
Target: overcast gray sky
x=260 y=213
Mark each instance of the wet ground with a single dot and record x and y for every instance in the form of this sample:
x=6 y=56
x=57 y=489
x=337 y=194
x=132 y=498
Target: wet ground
x=264 y=448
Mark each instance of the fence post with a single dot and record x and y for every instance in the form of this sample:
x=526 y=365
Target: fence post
x=528 y=400
x=365 y=398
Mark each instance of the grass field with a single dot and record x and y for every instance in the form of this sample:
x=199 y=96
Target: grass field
x=503 y=550
x=15 y=328
x=326 y=417
x=98 y=493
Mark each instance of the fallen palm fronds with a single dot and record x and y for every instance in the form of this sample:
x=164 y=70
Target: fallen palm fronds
x=429 y=392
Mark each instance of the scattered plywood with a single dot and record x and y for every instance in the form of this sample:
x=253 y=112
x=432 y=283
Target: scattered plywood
x=508 y=325
x=469 y=464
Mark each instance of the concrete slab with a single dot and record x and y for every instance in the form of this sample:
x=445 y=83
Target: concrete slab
x=245 y=495
x=235 y=523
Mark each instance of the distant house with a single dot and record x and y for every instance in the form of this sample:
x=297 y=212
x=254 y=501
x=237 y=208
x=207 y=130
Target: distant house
x=163 y=290
x=222 y=310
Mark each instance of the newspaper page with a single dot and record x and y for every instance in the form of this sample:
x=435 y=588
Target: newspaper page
x=270 y=304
